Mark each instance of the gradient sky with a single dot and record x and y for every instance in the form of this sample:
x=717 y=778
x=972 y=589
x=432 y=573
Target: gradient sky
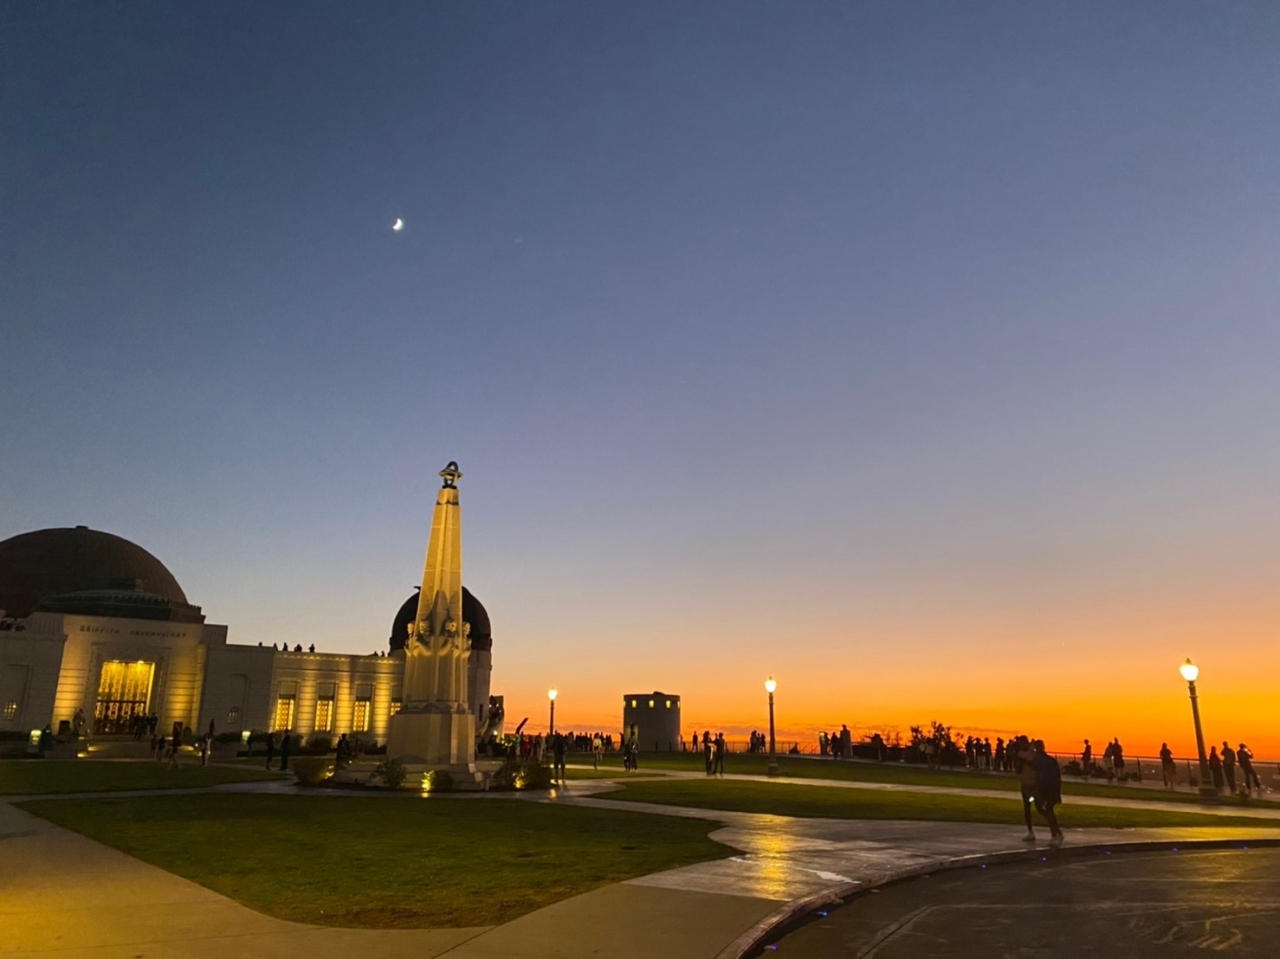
x=926 y=356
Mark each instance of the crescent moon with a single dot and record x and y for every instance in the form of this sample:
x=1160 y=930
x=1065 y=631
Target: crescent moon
x=398 y=225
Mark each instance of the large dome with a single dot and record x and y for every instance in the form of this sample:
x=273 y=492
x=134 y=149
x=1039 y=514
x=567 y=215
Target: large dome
x=473 y=612
x=52 y=562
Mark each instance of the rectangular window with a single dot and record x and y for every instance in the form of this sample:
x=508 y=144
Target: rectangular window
x=324 y=715
x=284 y=713
x=395 y=706
x=13 y=689
x=360 y=716
x=233 y=716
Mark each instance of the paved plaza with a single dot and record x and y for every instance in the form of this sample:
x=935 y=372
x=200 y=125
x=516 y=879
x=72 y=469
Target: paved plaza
x=67 y=896
x=1157 y=905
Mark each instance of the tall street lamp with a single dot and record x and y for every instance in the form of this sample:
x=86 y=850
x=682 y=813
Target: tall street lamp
x=552 y=693
x=770 y=685
x=1191 y=672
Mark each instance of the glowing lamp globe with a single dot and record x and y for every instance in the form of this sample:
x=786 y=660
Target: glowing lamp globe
x=1190 y=671
x=770 y=685
x=552 y=694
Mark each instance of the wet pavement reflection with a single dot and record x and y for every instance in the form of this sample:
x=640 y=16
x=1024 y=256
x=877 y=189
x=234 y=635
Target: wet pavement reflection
x=1139 y=905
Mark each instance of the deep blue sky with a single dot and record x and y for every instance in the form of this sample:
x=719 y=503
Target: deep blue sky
x=762 y=331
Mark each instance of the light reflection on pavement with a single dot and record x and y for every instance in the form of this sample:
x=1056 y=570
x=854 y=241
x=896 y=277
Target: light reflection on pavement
x=1141 y=905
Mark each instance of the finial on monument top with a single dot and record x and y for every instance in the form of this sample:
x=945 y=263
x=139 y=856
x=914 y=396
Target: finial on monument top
x=451 y=474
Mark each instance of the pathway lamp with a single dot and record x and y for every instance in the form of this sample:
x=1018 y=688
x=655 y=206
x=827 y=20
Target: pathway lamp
x=770 y=685
x=552 y=693
x=1191 y=672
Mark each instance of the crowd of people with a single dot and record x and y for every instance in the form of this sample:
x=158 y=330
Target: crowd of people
x=1222 y=769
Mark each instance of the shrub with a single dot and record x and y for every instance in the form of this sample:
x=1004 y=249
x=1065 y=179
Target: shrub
x=437 y=781
x=391 y=772
x=517 y=774
x=1073 y=768
x=320 y=742
x=311 y=771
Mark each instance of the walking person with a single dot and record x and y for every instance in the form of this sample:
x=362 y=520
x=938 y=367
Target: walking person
x=1021 y=754
x=1229 y=766
x=175 y=743
x=1048 y=789
x=1086 y=758
x=286 y=741
x=557 y=757
x=597 y=749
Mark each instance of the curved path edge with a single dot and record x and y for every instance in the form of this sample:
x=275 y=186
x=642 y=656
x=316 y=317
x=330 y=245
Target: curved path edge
x=797 y=909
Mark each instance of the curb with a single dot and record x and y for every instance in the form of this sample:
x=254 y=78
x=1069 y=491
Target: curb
x=797 y=909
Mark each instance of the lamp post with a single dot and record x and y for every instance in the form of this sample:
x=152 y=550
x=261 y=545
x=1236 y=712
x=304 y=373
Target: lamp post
x=770 y=685
x=1191 y=672
x=552 y=693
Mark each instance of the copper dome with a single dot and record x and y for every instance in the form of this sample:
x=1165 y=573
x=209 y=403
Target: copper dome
x=473 y=612
x=52 y=562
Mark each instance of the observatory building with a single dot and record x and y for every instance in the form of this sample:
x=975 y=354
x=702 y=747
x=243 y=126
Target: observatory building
x=95 y=630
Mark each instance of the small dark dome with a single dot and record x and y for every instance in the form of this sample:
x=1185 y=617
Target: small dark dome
x=51 y=562
x=473 y=612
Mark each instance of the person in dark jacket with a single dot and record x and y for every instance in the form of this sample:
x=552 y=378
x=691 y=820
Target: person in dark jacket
x=1215 y=768
x=557 y=758
x=271 y=748
x=1048 y=789
x=285 y=742
x=1245 y=758
x=1229 y=766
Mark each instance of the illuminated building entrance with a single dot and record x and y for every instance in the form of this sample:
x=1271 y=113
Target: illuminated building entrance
x=124 y=692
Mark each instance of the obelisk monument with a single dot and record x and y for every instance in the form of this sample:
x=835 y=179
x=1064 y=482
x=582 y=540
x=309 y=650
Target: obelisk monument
x=435 y=726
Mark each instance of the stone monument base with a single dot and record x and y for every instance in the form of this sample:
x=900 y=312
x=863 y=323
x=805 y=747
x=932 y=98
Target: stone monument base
x=432 y=736
x=467 y=777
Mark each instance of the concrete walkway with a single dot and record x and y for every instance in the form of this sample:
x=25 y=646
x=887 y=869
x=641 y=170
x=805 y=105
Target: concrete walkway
x=1261 y=809
x=64 y=895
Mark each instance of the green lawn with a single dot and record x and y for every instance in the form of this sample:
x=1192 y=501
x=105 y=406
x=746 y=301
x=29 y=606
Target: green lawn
x=34 y=777
x=387 y=862
x=789 y=799
x=900 y=773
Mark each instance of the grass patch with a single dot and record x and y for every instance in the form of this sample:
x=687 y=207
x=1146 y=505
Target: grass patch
x=897 y=773
x=387 y=862
x=35 y=777
x=789 y=799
